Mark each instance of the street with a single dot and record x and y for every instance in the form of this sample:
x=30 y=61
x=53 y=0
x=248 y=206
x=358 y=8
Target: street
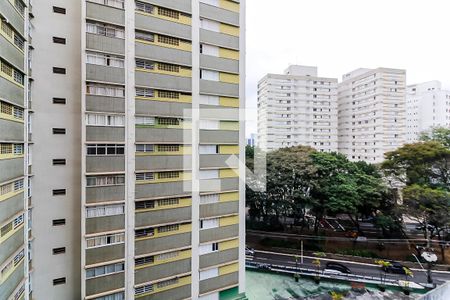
x=420 y=276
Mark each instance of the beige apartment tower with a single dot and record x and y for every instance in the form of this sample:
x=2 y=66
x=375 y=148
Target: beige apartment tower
x=121 y=124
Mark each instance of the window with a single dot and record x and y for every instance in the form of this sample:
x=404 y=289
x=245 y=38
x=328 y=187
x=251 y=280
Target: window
x=105 y=90
x=12 y=34
x=169 y=67
x=162 y=11
x=209 y=50
x=59 y=162
x=145 y=204
x=209 y=75
x=144 y=7
x=59 y=281
x=169 y=201
x=145 y=148
x=169 y=94
x=105 y=149
x=59 y=250
x=59 y=40
x=144 y=260
x=105 y=240
x=168 y=121
x=210 y=25
x=57 y=70
x=104 y=60
x=206 y=199
x=147 y=232
x=116 y=296
x=59 y=192
x=145 y=92
x=19 y=5
x=59 y=131
x=209 y=223
x=144 y=36
x=105 y=210
x=210 y=273
x=168 y=175
x=208 y=248
x=18 y=221
x=209 y=124
x=145 y=121
x=145 y=176
x=143 y=289
x=59 y=10
x=209 y=100
x=105 y=30
x=145 y=64
x=18 y=185
x=59 y=100
x=169 y=228
x=211 y=2
x=208 y=149
x=59 y=222
x=105 y=180
x=104 y=270
x=168 y=148
x=167 y=283
x=208 y=174
x=168 y=255
x=164 y=39
x=112 y=3
x=105 y=120
x=11 y=72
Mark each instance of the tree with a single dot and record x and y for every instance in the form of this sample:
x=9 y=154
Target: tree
x=431 y=208
x=424 y=163
x=438 y=134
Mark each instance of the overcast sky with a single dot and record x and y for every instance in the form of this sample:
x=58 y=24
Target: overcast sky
x=339 y=36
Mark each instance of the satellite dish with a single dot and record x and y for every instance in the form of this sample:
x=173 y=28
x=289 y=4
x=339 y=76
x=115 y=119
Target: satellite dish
x=429 y=256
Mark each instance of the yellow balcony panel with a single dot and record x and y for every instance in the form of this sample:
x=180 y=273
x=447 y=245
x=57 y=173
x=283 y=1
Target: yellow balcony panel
x=10 y=194
x=226 y=221
x=231 y=268
x=10 y=233
x=229 y=102
x=159 y=260
x=179 y=282
x=229 y=29
x=229 y=125
x=229 y=5
x=10 y=118
x=228 y=149
x=177 y=16
x=11 y=40
x=228 y=53
x=228 y=173
x=183 y=202
x=10 y=156
x=231 y=244
x=183 y=72
x=229 y=78
x=10 y=79
x=227 y=197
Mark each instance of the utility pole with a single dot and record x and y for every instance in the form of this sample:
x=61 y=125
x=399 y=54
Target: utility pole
x=301 y=251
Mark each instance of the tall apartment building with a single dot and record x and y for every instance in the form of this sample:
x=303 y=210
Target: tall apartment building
x=133 y=113
x=427 y=106
x=297 y=108
x=13 y=149
x=372 y=113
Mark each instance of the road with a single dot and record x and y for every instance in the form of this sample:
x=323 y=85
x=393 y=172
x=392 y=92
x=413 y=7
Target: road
x=357 y=268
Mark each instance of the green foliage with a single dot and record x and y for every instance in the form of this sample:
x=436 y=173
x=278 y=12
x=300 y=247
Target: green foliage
x=439 y=134
x=358 y=252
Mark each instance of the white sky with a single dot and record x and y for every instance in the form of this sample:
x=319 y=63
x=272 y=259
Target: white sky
x=339 y=36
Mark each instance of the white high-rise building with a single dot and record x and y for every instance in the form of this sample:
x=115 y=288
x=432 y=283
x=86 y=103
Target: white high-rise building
x=372 y=113
x=427 y=106
x=297 y=108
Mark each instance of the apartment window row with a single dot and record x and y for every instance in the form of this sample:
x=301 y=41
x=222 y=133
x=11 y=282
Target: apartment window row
x=16 y=149
x=13 y=263
x=105 y=270
x=15 y=186
x=151 y=65
x=105 y=149
x=107 y=180
x=11 y=72
x=105 y=29
x=158 y=148
x=149 y=288
x=161 y=175
x=151 y=259
x=151 y=93
x=102 y=59
x=163 y=39
x=105 y=240
x=111 y=3
x=156 y=203
x=105 y=90
x=12 y=34
x=157 y=120
x=105 y=120
x=105 y=210
x=11 y=225
x=148 y=232
x=162 y=11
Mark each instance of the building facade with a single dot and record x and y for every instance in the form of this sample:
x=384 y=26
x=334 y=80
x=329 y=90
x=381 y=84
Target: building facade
x=427 y=106
x=297 y=108
x=372 y=113
x=134 y=129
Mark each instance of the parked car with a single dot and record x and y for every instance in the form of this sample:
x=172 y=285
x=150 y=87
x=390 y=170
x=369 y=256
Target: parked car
x=395 y=268
x=336 y=268
x=249 y=251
